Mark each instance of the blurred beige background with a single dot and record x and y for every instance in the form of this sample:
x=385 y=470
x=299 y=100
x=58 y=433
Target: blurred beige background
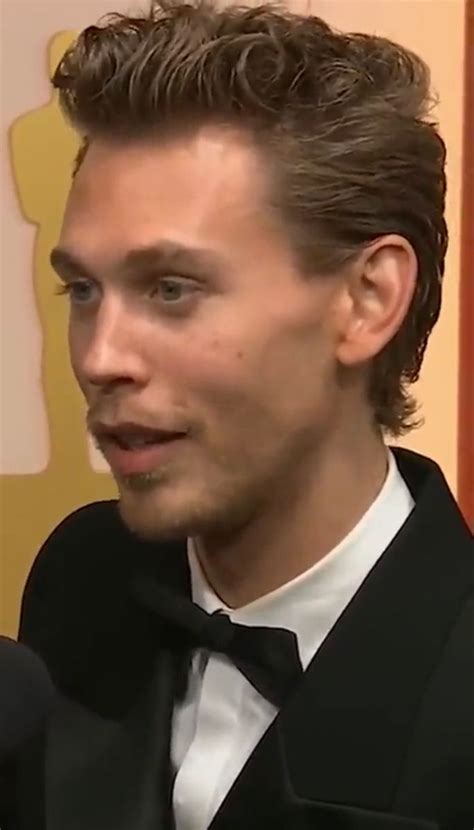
x=46 y=466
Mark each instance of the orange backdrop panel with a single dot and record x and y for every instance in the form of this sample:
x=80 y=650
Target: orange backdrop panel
x=466 y=366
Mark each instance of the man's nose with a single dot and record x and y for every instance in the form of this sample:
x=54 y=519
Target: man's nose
x=110 y=352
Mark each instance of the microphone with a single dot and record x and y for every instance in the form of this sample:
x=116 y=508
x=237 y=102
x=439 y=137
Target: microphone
x=27 y=695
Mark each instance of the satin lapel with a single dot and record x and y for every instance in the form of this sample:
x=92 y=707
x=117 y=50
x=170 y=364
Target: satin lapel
x=107 y=758
x=104 y=774
x=343 y=736
x=265 y=798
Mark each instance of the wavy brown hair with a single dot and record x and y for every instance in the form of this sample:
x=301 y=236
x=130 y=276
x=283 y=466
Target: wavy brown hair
x=344 y=121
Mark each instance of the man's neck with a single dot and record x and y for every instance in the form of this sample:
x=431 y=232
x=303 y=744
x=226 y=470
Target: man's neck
x=304 y=522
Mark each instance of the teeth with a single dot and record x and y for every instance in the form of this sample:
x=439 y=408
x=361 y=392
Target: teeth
x=140 y=442
x=133 y=442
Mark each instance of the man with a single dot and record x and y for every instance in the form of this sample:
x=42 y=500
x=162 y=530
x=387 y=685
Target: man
x=285 y=182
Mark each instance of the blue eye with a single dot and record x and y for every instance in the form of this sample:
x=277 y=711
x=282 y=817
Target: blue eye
x=172 y=291
x=79 y=291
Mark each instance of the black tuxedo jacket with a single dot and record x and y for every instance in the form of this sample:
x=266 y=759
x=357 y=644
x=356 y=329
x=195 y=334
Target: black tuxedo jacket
x=378 y=736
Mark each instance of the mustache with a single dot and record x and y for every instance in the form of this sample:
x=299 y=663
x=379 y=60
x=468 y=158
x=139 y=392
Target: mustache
x=99 y=417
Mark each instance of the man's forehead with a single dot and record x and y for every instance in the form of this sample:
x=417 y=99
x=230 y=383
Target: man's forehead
x=223 y=152
x=188 y=189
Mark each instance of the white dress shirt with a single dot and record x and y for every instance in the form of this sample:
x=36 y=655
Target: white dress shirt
x=222 y=717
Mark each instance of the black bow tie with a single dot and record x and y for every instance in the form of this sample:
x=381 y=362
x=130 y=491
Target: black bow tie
x=267 y=657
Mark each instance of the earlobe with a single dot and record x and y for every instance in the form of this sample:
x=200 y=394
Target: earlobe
x=380 y=289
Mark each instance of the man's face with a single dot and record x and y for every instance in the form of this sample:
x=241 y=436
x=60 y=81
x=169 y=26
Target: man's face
x=207 y=330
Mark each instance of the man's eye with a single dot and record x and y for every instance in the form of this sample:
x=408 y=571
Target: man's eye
x=79 y=291
x=172 y=291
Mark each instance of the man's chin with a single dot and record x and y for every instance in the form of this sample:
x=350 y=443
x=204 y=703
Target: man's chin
x=155 y=509
x=139 y=482
x=148 y=525
x=155 y=513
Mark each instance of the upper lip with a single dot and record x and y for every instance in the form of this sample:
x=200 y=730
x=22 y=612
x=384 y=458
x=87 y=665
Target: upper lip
x=127 y=428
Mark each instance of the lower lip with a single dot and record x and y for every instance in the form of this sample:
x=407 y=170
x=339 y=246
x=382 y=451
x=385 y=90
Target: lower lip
x=138 y=460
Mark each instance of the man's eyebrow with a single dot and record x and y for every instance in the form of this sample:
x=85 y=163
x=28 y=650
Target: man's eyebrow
x=65 y=264
x=171 y=254
x=161 y=254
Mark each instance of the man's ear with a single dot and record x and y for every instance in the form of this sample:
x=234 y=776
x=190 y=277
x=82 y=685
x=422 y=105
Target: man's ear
x=376 y=298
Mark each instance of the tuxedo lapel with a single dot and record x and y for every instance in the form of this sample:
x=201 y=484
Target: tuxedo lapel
x=108 y=774
x=264 y=797
x=106 y=749
x=342 y=738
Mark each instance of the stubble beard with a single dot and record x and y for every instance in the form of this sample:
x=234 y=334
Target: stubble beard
x=217 y=512
x=140 y=482
x=218 y=507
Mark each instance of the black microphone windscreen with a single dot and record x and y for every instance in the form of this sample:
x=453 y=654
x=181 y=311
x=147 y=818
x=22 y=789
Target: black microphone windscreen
x=27 y=694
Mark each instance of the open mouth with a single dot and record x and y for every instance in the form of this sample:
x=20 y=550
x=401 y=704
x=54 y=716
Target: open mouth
x=137 y=451
x=136 y=441
x=132 y=448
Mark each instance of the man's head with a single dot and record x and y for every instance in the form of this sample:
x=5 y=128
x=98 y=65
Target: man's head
x=282 y=179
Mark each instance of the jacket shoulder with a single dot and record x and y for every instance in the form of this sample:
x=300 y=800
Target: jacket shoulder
x=439 y=768
x=88 y=519
x=83 y=555
x=79 y=612
x=77 y=534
